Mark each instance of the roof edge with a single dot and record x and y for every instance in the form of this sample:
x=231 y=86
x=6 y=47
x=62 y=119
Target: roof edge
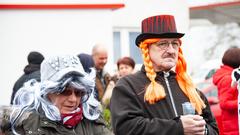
x=61 y=6
x=215 y=5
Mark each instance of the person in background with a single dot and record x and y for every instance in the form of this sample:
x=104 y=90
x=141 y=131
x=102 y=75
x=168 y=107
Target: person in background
x=31 y=71
x=149 y=102
x=100 y=56
x=228 y=96
x=62 y=103
x=87 y=62
x=125 y=66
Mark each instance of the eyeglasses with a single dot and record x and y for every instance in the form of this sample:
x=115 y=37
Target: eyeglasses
x=164 y=44
x=69 y=90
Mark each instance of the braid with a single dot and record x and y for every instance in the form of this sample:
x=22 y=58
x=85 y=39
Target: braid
x=186 y=83
x=154 y=91
x=147 y=62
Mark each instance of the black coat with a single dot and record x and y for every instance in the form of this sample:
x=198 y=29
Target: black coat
x=132 y=116
x=31 y=71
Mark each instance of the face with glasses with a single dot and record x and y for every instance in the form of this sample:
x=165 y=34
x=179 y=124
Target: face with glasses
x=68 y=100
x=164 y=53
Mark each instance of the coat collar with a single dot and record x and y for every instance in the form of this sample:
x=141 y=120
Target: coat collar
x=160 y=73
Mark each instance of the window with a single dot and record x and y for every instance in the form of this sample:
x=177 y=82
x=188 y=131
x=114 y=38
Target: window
x=116 y=46
x=124 y=44
x=134 y=50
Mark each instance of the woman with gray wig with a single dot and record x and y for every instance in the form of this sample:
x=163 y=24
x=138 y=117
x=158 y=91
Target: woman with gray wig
x=62 y=103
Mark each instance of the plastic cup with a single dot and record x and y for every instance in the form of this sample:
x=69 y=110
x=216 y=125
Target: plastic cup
x=188 y=108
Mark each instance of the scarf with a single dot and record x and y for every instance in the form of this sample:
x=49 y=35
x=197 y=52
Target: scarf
x=70 y=120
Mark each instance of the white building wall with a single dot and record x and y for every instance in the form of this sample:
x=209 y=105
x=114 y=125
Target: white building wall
x=137 y=10
x=50 y=32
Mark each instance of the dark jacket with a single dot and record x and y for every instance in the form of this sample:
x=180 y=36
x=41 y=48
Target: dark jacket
x=40 y=125
x=102 y=80
x=87 y=62
x=228 y=97
x=131 y=115
x=31 y=71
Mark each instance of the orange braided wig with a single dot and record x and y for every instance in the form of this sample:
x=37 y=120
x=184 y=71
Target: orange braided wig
x=155 y=91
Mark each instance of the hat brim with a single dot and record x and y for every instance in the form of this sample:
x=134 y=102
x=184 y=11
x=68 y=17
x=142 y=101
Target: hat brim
x=144 y=36
x=70 y=70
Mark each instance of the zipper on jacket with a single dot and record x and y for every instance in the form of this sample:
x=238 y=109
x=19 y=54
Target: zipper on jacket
x=74 y=132
x=166 y=74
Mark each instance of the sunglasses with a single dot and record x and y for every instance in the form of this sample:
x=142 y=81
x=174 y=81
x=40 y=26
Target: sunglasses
x=70 y=90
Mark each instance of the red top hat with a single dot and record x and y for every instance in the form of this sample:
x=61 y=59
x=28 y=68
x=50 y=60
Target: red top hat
x=161 y=26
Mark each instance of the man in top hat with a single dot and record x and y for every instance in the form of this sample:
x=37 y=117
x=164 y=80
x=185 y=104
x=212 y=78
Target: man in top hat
x=150 y=102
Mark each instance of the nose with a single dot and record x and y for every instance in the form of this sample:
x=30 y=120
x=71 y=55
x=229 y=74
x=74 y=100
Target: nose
x=170 y=48
x=104 y=61
x=73 y=97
